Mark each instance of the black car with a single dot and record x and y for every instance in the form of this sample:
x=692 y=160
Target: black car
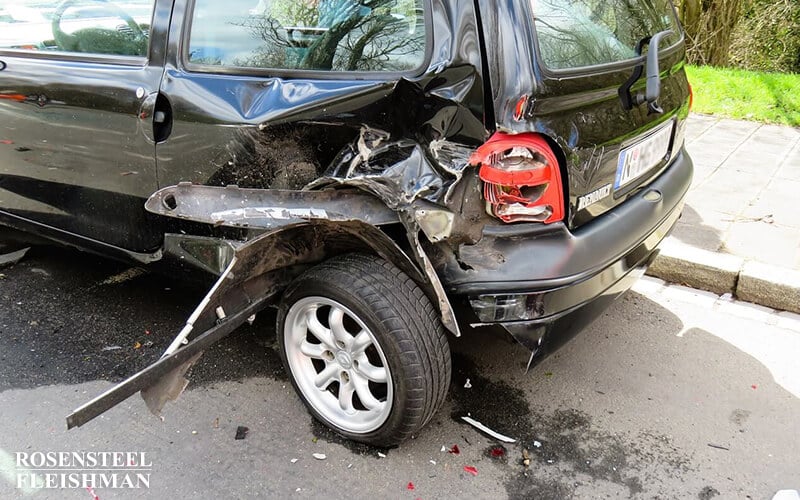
x=367 y=166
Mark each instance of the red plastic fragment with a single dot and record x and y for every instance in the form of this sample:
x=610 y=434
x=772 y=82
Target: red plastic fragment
x=498 y=452
x=410 y=486
x=470 y=469
x=6 y=141
x=754 y=386
x=454 y=450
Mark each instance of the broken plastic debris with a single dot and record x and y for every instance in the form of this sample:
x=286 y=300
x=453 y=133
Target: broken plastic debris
x=294 y=460
x=137 y=345
x=111 y=348
x=433 y=462
x=410 y=486
x=454 y=450
x=537 y=444
x=754 y=386
x=497 y=452
x=787 y=495
x=526 y=458
x=471 y=470
x=319 y=456
x=444 y=449
x=719 y=446
x=381 y=455
x=483 y=428
x=241 y=432
x=13 y=257
x=468 y=385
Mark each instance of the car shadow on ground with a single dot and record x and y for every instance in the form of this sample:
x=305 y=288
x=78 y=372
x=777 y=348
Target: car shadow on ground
x=691 y=231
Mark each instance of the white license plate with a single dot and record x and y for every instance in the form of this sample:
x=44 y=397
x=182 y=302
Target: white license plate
x=636 y=160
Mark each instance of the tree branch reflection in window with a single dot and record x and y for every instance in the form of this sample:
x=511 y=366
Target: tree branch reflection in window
x=330 y=35
x=579 y=33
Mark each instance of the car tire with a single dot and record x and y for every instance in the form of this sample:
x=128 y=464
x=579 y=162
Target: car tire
x=364 y=348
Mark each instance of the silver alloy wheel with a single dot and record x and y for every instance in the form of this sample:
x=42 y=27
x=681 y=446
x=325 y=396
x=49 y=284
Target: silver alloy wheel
x=338 y=365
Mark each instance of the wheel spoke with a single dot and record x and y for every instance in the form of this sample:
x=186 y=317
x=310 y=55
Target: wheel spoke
x=327 y=376
x=346 y=390
x=374 y=373
x=364 y=394
x=360 y=342
x=312 y=350
x=336 y=320
x=320 y=332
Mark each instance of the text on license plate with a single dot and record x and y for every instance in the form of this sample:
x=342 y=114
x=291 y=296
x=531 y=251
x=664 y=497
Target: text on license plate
x=642 y=156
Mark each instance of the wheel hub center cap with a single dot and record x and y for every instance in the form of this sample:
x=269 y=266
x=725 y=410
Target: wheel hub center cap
x=344 y=360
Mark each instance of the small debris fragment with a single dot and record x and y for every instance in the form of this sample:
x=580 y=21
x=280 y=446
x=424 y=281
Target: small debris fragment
x=468 y=385
x=410 y=486
x=497 y=452
x=471 y=470
x=719 y=447
x=548 y=374
x=381 y=455
x=111 y=348
x=754 y=386
x=314 y=439
x=216 y=423
x=298 y=490
x=91 y=492
x=433 y=462
x=526 y=458
x=241 y=432
x=12 y=258
x=149 y=343
x=319 y=456
x=137 y=345
x=444 y=449
x=194 y=432
x=787 y=495
x=537 y=444
x=454 y=450
x=349 y=466
x=483 y=428
x=294 y=460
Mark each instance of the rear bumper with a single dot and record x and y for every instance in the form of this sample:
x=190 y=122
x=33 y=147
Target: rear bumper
x=559 y=281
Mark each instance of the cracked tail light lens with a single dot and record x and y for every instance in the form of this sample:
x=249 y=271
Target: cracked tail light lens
x=522 y=178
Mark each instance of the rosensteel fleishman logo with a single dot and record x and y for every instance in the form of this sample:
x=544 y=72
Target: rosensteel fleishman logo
x=88 y=470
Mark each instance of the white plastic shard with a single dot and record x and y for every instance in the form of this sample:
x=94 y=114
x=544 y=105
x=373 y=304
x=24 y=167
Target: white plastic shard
x=486 y=430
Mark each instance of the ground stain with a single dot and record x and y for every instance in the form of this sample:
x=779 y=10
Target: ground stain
x=572 y=449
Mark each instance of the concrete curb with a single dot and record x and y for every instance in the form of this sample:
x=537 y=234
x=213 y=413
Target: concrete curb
x=751 y=281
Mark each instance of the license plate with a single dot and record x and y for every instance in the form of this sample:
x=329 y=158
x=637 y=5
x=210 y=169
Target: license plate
x=636 y=160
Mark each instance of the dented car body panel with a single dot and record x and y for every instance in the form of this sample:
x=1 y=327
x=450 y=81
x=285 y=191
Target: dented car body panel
x=188 y=164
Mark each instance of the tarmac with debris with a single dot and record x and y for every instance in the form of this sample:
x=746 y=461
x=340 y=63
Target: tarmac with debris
x=673 y=393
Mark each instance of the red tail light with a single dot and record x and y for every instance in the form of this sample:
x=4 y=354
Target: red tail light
x=691 y=97
x=522 y=179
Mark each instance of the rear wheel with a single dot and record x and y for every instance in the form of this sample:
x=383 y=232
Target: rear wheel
x=365 y=349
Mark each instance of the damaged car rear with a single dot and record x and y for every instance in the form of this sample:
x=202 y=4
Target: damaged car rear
x=365 y=166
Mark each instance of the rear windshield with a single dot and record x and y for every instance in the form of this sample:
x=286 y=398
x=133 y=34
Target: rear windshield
x=579 y=33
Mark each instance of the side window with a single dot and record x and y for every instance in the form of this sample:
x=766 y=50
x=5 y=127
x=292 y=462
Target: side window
x=328 y=35
x=84 y=26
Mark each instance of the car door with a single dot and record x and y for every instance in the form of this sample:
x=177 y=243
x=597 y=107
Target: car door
x=78 y=86
x=264 y=94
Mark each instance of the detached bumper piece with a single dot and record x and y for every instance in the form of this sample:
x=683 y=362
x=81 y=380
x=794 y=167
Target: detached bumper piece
x=244 y=287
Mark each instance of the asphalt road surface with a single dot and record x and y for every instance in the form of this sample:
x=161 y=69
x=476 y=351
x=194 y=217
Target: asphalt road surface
x=671 y=394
